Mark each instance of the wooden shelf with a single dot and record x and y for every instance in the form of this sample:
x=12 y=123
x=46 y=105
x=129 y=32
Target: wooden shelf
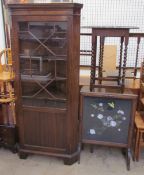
x=44 y=102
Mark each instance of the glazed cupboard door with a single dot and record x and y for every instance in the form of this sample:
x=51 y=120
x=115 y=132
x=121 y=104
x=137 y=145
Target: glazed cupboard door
x=43 y=63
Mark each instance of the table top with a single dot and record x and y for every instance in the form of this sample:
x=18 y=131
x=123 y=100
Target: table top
x=111 y=27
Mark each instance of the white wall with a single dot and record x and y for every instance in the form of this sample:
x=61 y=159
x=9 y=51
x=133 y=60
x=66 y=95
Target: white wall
x=113 y=13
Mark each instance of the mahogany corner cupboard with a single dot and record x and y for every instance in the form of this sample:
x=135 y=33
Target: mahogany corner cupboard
x=45 y=50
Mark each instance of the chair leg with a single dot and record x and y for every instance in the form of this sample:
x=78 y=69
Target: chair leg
x=139 y=145
x=136 y=144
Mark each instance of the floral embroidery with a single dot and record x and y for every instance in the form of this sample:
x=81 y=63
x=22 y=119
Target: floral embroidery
x=107 y=115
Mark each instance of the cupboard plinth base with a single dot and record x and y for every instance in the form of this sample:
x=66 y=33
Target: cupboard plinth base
x=68 y=159
x=22 y=155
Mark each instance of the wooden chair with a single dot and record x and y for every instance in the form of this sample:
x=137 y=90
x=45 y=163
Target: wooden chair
x=139 y=136
x=6 y=79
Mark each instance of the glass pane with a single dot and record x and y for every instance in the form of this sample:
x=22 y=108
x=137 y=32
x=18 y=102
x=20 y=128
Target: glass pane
x=43 y=62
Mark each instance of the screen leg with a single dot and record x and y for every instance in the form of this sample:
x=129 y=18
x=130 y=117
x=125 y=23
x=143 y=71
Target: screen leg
x=128 y=156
